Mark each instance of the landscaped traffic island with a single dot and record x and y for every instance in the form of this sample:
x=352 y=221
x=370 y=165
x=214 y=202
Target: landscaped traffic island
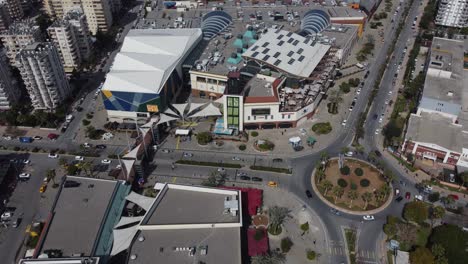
x=356 y=186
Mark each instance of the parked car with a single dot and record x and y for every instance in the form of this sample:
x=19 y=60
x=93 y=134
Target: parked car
x=101 y=146
x=245 y=178
x=418 y=197
x=408 y=195
x=236 y=158
x=53 y=155
x=106 y=161
x=79 y=158
x=165 y=151
x=16 y=222
x=257 y=179
x=397 y=191
x=43 y=187
x=368 y=217
x=6 y=215
x=241 y=173
x=308 y=194
x=272 y=184
x=26 y=161
x=349 y=154
x=378 y=153
x=71 y=184
x=398 y=199
x=24 y=176
x=188 y=155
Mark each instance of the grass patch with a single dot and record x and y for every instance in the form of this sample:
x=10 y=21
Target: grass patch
x=271 y=231
x=209 y=164
x=351 y=242
x=322 y=128
x=422 y=236
x=271 y=169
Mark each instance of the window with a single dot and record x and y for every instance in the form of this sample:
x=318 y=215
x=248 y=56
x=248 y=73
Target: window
x=266 y=117
x=233 y=112
x=261 y=111
x=271 y=117
x=248 y=118
x=289 y=116
x=201 y=79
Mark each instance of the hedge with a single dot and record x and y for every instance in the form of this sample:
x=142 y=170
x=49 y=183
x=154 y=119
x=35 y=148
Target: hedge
x=342 y=183
x=345 y=170
x=254 y=134
x=322 y=128
x=209 y=164
x=271 y=169
x=364 y=182
x=358 y=172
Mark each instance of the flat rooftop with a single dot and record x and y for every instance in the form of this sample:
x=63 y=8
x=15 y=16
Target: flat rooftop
x=446 y=80
x=190 y=205
x=340 y=35
x=78 y=216
x=223 y=245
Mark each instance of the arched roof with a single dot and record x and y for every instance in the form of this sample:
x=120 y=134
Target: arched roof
x=315 y=21
x=214 y=22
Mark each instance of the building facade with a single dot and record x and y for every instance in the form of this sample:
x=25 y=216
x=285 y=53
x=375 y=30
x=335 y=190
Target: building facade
x=71 y=38
x=452 y=13
x=5 y=18
x=19 y=35
x=9 y=92
x=43 y=75
x=14 y=9
x=98 y=12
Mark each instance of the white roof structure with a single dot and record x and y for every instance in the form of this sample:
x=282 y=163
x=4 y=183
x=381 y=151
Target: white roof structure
x=148 y=57
x=288 y=52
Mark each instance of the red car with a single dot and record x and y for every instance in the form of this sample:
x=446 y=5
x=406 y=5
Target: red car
x=454 y=196
x=408 y=195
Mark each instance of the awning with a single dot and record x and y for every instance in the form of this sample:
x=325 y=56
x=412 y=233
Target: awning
x=166 y=118
x=122 y=239
x=125 y=220
x=209 y=110
x=295 y=140
x=142 y=201
x=182 y=132
x=311 y=140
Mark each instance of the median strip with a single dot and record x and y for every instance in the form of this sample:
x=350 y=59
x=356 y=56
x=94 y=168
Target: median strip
x=209 y=164
x=271 y=169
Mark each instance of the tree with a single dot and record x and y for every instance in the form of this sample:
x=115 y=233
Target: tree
x=87 y=168
x=72 y=170
x=433 y=197
x=326 y=185
x=438 y=250
x=421 y=255
x=277 y=217
x=390 y=229
x=338 y=191
x=215 y=179
x=438 y=212
x=366 y=197
x=382 y=193
x=389 y=175
x=51 y=175
x=286 y=244
x=305 y=227
x=63 y=162
x=352 y=195
x=324 y=156
x=204 y=138
x=392 y=130
x=416 y=211
x=344 y=150
x=311 y=255
x=454 y=241
x=360 y=149
x=320 y=174
x=345 y=87
x=272 y=258
x=464 y=178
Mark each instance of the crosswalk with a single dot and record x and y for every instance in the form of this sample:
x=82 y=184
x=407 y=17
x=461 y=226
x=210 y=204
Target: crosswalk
x=337 y=248
x=366 y=257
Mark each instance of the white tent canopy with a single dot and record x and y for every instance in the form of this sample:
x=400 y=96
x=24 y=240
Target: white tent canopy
x=181 y=108
x=142 y=201
x=125 y=220
x=122 y=239
x=209 y=110
x=295 y=140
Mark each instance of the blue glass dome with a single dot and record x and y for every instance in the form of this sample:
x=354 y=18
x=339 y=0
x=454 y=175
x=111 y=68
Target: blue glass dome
x=314 y=21
x=214 y=22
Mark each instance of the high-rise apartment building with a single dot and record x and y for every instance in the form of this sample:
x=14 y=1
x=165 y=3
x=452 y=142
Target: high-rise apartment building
x=98 y=12
x=5 y=18
x=9 y=92
x=19 y=35
x=14 y=8
x=70 y=36
x=452 y=13
x=115 y=5
x=43 y=75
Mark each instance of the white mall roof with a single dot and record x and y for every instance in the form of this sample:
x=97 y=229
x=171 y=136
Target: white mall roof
x=148 y=57
x=288 y=52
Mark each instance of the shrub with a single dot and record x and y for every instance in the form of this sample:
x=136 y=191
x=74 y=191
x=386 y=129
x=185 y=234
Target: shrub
x=259 y=234
x=311 y=254
x=305 y=227
x=434 y=197
x=254 y=134
x=242 y=147
x=266 y=145
x=85 y=122
x=286 y=244
x=322 y=128
x=358 y=172
x=35 y=149
x=72 y=170
x=16 y=148
x=345 y=87
x=345 y=170
x=364 y=182
x=342 y=183
x=204 y=138
x=353 y=186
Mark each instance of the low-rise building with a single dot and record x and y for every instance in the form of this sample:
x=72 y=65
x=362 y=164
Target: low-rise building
x=438 y=131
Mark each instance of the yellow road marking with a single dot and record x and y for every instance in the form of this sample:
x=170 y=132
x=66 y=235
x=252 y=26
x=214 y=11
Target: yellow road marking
x=174 y=179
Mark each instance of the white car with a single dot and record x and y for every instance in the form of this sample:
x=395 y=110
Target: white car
x=380 y=120
x=79 y=158
x=418 y=197
x=7 y=138
x=377 y=131
x=221 y=170
x=37 y=137
x=386 y=102
x=236 y=158
x=6 y=215
x=26 y=161
x=368 y=217
x=106 y=161
x=343 y=123
x=358 y=91
x=390 y=92
x=86 y=145
x=349 y=154
x=53 y=155
x=188 y=155
x=24 y=176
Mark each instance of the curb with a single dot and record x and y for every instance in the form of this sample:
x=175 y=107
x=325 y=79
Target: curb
x=347 y=211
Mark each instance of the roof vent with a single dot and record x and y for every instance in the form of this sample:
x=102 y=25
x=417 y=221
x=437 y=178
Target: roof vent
x=141 y=238
x=133 y=257
x=450 y=93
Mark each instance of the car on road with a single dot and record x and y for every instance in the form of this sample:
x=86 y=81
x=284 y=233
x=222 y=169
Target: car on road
x=236 y=158
x=454 y=196
x=43 y=187
x=6 y=216
x=380 y=120
x=241 y=173
x=390 y=92
x=26 y=161
x=397 y=191
x=343 y=123
x=418 y=197
x=334 y=211
x=408 y=195
x=272 y=184
x=37 y=137
x=221 y=170
x=358 y=91
x=377 y=131
x=188 y=155
x=398 y=199
x=165 y=151
x=308 y=194
x=86 y=145
x=377 y=153
x=349 y=154
x=368 y=217
x=245 y=178
x=24 y=176
x=7 y=138
x=101 y=146
x=53 y=155
x=257 y=179
x=79 y=158
x=106 y=161
x=16 y=222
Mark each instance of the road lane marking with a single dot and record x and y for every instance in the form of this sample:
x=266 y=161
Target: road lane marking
x=174 y=179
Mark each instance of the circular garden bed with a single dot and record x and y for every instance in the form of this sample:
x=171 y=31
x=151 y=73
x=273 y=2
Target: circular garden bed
x=357 y=186
x=264 y=145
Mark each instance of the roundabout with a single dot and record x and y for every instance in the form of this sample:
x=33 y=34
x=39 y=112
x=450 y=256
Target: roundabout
x=352 y=186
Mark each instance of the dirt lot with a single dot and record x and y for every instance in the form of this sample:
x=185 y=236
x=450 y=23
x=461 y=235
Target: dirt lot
x=333 y=173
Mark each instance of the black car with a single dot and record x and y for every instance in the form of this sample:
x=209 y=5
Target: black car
x=309 y=194
x=398 y=199
x=245 y=178
x=375 y=116
x=71 y=184
x=257 y=179
x=101 y=146
x=378 y=153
